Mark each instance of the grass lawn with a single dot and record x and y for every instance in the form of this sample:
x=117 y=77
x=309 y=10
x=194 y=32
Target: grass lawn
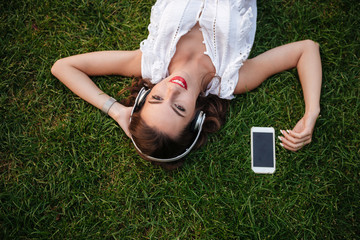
x=69 y=172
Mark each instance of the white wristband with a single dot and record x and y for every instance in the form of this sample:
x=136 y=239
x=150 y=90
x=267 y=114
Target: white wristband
x=107 y=105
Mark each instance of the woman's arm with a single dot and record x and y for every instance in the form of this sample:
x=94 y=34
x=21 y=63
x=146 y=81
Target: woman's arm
x=305 y=56
x=74 y=72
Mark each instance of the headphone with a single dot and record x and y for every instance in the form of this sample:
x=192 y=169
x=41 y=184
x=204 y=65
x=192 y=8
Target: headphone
x=196 y=125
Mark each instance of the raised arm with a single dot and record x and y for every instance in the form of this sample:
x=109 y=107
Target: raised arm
x=74 y=72
x=303 y=55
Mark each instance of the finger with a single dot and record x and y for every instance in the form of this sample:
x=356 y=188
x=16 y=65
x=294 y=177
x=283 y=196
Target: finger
x=294 y=147
x=288 y=148
x=289 y=145
x=300 y=135
x=128 y=134
x=125 y=128
x=304 y=144
x=293 y=139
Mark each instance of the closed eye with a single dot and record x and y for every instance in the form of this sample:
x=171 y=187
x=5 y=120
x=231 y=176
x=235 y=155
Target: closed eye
x=181 y=108
x=156 y=97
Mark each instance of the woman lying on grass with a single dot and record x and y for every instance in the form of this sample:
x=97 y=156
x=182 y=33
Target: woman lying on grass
x=193 y=61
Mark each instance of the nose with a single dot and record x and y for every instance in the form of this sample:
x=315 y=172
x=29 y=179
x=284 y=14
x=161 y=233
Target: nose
x=172 y=91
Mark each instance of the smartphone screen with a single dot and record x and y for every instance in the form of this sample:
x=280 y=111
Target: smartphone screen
x=263 y=150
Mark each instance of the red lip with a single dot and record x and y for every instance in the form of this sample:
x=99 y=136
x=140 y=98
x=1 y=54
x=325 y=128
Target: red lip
x=179 y=81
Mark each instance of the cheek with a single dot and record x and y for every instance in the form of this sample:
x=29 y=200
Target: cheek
x=190 y=105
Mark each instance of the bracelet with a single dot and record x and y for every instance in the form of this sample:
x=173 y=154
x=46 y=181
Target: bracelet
x=108 y=104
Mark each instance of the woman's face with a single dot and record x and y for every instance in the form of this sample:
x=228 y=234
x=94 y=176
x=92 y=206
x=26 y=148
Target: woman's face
x=170 y=105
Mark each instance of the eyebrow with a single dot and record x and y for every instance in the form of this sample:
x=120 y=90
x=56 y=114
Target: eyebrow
x=172 y=107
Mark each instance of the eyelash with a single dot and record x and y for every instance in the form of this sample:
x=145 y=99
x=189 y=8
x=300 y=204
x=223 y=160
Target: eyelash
x=180 y=108
x=158 y=98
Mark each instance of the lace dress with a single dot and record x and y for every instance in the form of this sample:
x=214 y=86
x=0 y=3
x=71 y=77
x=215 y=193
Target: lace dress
x=228 y=28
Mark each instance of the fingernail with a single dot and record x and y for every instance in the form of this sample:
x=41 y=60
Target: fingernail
x=279 y=138
x=282 y=132
x=281 y=144
x=288 y=131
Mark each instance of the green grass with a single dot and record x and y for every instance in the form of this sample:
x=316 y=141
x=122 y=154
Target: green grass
x=69 y=172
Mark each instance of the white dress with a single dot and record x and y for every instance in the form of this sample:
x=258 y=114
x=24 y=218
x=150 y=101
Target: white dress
x=228 y=28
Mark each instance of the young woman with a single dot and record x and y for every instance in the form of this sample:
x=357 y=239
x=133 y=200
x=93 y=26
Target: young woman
x=194 y=60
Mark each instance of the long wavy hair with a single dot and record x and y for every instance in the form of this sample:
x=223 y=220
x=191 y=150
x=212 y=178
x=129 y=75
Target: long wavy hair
x=154 y=143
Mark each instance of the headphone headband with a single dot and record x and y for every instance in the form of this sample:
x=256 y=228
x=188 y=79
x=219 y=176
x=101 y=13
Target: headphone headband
x=199 y=121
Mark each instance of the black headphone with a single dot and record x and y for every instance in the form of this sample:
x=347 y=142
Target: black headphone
x=195 y=125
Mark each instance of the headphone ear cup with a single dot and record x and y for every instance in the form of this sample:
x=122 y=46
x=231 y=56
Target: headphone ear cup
x=140 y=99
x=197 y=122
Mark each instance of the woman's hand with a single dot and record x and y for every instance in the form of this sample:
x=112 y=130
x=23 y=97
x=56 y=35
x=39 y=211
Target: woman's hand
x=121 y=115
x=124 y=122
x=300 y=135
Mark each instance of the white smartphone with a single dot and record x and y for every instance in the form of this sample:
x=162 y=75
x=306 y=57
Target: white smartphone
x=263 y=149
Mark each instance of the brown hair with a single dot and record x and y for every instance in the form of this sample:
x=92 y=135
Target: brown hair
x=154 y=143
